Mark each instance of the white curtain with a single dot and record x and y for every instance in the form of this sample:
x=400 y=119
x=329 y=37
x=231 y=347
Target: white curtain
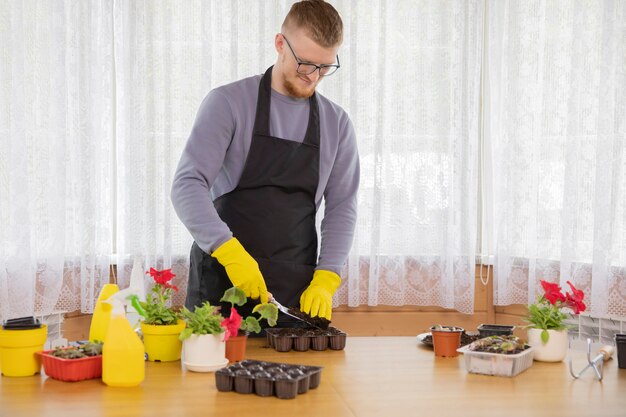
x=556 y=131
x=103 y=96
x=411 y=85
x=169 y=55
x=410 y=81
x=56 y=154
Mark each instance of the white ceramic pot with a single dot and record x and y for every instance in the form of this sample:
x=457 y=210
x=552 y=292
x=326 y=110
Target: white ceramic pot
x=204 y=353
x=554 y=350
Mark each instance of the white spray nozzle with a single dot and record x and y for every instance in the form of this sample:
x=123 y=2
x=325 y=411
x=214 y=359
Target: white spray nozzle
x=122 y=298
x=137 y=277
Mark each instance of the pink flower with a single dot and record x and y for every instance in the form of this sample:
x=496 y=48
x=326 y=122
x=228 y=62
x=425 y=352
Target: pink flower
x=231 y=324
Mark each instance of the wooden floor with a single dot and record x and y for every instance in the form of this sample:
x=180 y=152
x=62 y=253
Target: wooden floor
x=373 y=376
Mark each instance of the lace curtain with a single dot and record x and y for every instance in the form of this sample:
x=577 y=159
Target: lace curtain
x=56 y=154
x=411 y=86
x=556 y=131
x=410 y=81
x=103 y=98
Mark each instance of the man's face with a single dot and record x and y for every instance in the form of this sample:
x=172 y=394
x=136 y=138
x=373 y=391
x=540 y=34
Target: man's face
x=306 y=50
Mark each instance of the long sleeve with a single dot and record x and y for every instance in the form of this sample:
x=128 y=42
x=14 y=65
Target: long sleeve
x=200 y=163
x=340 y=200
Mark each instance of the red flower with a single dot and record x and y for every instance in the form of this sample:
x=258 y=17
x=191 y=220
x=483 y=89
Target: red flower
x=575 y=299
x=163 y=277
x=232 y=324
x=553 y=292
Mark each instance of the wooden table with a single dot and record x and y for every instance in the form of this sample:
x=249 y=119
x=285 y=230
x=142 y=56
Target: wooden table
x=373 y=376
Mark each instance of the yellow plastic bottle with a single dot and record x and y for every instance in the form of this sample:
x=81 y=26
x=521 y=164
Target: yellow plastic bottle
x=102 y=314
x=123 y=362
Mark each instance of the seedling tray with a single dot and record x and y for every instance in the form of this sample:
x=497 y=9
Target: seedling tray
x=267 y=379
x=71 y=370
x=497 y=364
x=303 y=339
x=485 y=330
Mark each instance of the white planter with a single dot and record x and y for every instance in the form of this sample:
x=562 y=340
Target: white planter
x=554 y=350
x=204 y=353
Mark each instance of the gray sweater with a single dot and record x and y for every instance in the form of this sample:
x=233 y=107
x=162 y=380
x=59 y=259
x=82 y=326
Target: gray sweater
x=214 y=157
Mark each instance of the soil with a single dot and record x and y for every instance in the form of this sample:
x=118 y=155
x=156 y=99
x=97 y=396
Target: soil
x=320 y=322
x=83 y=351
x=306 y=331
x=509 y=345
x=466 y=338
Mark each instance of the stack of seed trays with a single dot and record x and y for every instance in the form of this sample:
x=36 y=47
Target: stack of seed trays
x=303 y=339
x=266 y=379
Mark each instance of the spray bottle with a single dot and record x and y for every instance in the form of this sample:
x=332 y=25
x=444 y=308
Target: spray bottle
x=123 y=352
x=137 y=278
x=101 y=314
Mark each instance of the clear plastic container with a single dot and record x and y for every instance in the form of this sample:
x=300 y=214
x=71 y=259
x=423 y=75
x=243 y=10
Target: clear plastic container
x=497 y=364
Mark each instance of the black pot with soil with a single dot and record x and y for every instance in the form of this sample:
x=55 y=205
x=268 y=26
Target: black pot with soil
x=302 y=339
x=266 y=379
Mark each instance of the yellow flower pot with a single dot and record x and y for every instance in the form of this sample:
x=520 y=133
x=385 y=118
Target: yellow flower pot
x=18 y=348
x=161 y=342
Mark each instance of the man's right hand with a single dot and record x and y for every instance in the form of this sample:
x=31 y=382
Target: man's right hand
x=243 y=271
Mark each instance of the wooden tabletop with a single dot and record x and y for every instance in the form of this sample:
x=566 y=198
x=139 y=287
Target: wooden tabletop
x=373 y=376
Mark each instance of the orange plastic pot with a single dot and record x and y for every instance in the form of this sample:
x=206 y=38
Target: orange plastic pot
x=446 y=342
x=236 y=348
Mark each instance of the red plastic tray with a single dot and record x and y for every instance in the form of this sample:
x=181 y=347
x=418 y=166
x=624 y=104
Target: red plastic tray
x=71 y=370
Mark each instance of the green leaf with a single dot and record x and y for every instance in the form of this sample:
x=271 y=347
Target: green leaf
x=185 y=334
x=545 y=336
x=268 y=312
x=250 y=324
x=205 y=319
x=235 y=296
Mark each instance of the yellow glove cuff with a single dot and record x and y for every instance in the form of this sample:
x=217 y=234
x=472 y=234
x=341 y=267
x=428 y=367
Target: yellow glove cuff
x=228 y=251
x=327 y=280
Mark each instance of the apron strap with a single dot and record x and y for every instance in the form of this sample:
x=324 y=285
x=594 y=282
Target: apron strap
x=262 y=118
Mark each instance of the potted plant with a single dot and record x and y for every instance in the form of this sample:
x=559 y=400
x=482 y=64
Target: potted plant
x=74 y=363
x=160 y=325
x=446 y=340
x=547 y=333
x=203 y=339
x=238 y=327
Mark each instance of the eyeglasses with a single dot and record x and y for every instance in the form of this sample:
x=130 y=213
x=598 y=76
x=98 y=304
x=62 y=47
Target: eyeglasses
x=306 y=68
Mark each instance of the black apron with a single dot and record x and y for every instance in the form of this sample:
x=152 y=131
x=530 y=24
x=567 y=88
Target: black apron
x=271 y=212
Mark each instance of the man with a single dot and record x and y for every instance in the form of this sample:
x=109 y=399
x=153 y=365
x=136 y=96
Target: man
x=262 y=154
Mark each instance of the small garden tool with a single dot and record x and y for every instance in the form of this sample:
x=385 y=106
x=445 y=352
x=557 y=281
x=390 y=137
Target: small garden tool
x=597 y=363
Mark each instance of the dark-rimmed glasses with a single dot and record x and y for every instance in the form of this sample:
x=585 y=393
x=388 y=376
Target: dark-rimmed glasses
x=307 y=68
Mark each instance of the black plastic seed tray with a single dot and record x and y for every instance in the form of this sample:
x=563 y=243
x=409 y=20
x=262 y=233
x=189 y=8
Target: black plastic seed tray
x=266 y=379
x=22 y=323
x=486 y=330
x=303 y=339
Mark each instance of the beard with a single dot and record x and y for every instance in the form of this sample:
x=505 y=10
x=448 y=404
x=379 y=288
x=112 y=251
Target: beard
x=297 y=91
x=294 y=87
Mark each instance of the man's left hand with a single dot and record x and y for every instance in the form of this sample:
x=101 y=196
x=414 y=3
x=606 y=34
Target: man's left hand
x=317 y=299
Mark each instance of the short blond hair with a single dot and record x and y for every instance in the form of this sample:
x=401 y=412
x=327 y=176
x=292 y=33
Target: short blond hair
x=319 y=19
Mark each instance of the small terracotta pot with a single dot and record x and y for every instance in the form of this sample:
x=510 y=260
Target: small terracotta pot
x=236 y=348
x=446 y=342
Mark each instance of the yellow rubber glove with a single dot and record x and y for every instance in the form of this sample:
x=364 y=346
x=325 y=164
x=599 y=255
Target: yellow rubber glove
x=317 y=299
x=243 y=271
